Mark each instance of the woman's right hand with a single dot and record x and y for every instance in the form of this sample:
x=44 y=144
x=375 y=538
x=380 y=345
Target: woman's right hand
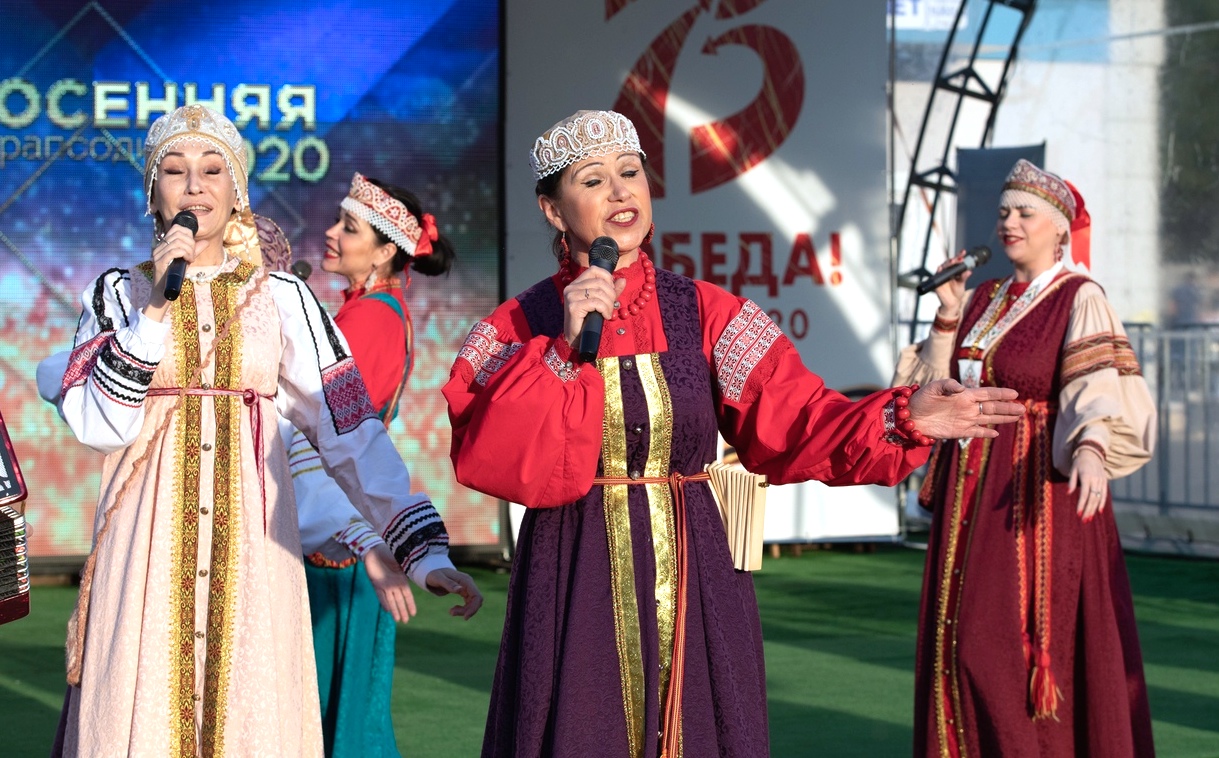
x=390 y=583
x=594 y=290
x=952 y=292
x=178 y=242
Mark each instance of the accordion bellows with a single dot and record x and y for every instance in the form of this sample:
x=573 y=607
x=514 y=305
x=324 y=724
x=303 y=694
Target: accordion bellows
x=14 y=563
x=741 y=497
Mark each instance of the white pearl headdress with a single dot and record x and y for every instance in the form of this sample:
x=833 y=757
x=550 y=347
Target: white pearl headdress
x=196 y=123
x=581 y=135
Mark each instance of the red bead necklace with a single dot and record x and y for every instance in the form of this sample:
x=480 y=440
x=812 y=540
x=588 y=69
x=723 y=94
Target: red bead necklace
x=645 y=292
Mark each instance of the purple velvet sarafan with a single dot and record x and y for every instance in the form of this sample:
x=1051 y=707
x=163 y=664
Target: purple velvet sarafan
x=559 y=685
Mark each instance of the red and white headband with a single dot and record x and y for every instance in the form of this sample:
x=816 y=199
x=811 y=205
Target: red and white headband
x=390 y=217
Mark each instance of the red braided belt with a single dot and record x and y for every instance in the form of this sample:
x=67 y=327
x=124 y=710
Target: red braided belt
x=671 y=736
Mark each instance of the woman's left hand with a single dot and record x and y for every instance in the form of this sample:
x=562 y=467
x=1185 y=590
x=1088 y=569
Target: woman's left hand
x=444 y=581
x=1088 y=473
x=945 y=409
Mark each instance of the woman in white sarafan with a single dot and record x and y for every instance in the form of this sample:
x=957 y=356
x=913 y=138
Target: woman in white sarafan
x=191 y=634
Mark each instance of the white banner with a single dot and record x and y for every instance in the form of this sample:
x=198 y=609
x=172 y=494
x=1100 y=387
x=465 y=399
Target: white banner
x=926 y=15
x=765 y=121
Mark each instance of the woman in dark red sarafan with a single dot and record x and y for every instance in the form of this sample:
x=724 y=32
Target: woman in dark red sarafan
x=1027 y=642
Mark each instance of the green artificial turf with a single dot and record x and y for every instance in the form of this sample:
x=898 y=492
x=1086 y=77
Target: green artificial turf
x=839 y=629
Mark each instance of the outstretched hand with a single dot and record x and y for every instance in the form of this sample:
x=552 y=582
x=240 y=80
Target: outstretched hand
x=444 y=581
x=391 y=585
x=945 y=409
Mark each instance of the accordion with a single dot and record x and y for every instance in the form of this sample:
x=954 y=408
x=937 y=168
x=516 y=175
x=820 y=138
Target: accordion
x=14 y=563
x=741 y=497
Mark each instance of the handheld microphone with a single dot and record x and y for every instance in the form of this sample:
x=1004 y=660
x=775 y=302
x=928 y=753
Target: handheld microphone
x=301 y=268
x=604 y=255
x=972 y=259
x=177 y=268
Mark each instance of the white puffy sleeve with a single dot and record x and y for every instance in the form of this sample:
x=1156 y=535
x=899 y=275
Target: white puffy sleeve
x=322 y=395
x=1104 y=402
x=328 y=520
x=115 y=354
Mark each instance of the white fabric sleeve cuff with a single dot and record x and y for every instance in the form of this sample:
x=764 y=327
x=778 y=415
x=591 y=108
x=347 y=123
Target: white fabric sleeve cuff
x=426 y=565
x=359 y=537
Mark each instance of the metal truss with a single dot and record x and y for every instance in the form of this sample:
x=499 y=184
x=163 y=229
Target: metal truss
x=927 y=185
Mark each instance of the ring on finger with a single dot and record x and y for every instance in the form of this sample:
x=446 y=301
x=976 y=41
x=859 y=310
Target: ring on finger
x=980 y=411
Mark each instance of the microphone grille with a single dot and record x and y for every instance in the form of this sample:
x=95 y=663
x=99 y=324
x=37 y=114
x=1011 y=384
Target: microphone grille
x=187 y=219
x=982 y=253
x=603 y=249
x=302 y=269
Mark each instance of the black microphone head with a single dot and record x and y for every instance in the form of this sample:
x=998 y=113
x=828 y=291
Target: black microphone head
x=981 y=253
x=604 y=253
x=187 y=219
x=302 y=269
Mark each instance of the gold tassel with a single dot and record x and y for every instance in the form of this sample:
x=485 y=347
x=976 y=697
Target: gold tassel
x=1044 y=693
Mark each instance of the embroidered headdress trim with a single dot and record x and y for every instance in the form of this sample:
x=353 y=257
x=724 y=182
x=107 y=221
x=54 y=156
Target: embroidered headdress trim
x=583 y=134
x=1027 y=180
x=389 y=216
x=198 y=124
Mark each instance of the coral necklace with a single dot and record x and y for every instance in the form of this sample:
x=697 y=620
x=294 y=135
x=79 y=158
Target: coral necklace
x=645 y=292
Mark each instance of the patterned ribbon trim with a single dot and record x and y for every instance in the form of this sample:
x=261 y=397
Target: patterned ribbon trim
x=671 y=736
x=249 y=397
x=991 y=326
x=1031 y=466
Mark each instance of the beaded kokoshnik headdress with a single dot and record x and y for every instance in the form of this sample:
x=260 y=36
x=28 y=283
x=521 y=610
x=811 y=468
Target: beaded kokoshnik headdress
x=197 y=123
x=389 y=216
x=1029 y=186
x=582 y=135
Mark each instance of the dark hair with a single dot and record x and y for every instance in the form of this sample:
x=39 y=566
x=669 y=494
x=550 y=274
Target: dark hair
x=443 y=253
x=551 y=186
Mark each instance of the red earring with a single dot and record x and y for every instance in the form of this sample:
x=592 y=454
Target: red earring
x=565 y=257
x=651 y=231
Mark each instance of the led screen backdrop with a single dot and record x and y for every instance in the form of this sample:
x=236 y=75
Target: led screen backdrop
x=406 y=91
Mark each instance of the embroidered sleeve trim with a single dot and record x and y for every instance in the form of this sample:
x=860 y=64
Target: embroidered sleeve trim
x=302 y=455
x=359 y=538
x=1096 y=353
x=83 y=359
x=741 y=347
x=346 y=396
x=945 y=324
x=1092 y=445
x=893 y=435
x=120 y=362
x=117 y=374
x=415 y=533
x=565 y=370
x=110 y=278
x=485 y=353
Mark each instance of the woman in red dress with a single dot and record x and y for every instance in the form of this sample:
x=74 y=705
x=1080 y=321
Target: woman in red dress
x=1027 y=643
x=380 y=232
x=628 y=631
